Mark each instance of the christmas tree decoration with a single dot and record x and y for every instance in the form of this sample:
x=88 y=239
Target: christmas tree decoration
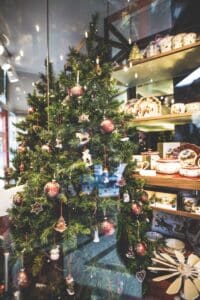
x=130 y=253
x=46 y=148
x=87 y=158
x=21 y=167
x=66 y=101
x=184 y=268
x=31 y=110
x=21 y=148
x=83 y=137
x=70 y=284
x=136 y=208
x=36 y=208
x=126 y=197
x=107 y=227
x=98 y=68
x=144 y=197
x=58 y=143
x=22 y=279
x=77 y=90
x=52 y=188
x=140 y=275
x=96 y=235
x=60 y=225
x=18 y=199
x=2 y=289
x=107 y=126
x=135 y=53
x=141 y=249
x=83 y=118
x=55 y=253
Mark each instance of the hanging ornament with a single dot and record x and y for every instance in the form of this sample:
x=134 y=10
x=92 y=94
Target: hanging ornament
x=124 y=139
x=130 y=253
x=21 y=148
x=136 y=208
x=121 y=182
x=98 y=68
x=58 y=143
x=107 y=126
x=18 y=199
x=141 y=249
x=140 y=275
x=135 y=53
x=76 y=90
x=2 y=289
x=107 y=227
x=144 y=197
x=71 y=190
x=22 y=278
x=36 y=208
x=8 y=171
x=52 y=188
x=60 y=225
x=84 y=137
x=83 y=118
x=46 y=148
x=70 y=285
x=126 y=197
x=96 y=235
x=54 y=253
x=36 y=128
x=21 y=167
x=87 y=158
x=105 y=175
x=31 y=110
x=66 y=101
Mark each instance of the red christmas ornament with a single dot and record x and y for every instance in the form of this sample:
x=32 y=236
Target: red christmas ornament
x=21 y=167
x=2 y=289
x=144 y=196
x=76 y=91
x=22 y=279
x=52 y=189
x=31 y=110
x=108 y=228
x=107 y=126
x=136 y=208
x=141 y=249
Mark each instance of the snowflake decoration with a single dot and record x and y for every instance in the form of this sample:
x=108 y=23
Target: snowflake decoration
x=36 y=208
x=187 y=272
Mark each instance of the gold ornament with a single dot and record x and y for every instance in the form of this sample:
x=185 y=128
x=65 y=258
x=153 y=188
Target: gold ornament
x=61 y=225
x=187 y=272
x=135 y=53
x=22 y=279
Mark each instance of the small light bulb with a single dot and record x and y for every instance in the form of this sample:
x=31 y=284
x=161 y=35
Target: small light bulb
x=129 y=41
x=21 y=52
x=136 y=75
x=61 y=57
x=37 y=27
x=125 y=68
x=97 y=60
x=86 y=34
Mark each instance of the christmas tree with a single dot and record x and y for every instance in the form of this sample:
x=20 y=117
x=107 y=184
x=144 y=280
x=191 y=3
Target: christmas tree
x=75 y=161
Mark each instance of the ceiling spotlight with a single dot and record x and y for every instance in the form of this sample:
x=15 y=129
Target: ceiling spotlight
x=37 y=27
x=21 y=52
x=61 y=57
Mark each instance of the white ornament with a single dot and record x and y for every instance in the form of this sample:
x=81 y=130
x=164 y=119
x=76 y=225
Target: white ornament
x=83 y=118
x=54 y=253
x=84 y=137
x=87 y=158
x=96 y=236
x=126 y=197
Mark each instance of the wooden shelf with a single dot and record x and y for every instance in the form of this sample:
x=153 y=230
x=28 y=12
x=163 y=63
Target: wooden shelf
x=164 y=122
x=177 y=212
x=160 y=67
x=171 y=181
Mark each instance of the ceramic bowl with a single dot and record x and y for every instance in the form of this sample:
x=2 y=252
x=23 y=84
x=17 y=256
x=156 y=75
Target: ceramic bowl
x=177 y=108
x=190 y=171
x=192 y=107
x=167 y=166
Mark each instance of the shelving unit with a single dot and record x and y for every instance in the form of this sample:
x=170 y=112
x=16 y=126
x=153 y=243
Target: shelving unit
x=161 y=123
x=177 y=212
x=160 y=67
x=171 y=181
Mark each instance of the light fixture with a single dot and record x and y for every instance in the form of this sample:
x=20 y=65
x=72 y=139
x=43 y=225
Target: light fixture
x=1 y=48
x=190 y=78
x=6 y=66
x=21 y=52
x=61 y=57
x=37 y=27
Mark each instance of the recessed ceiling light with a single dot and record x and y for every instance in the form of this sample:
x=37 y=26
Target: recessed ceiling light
x=17 y=58
x=86 y=34
x=37 y=27
x=33 y=84
x=61 y=57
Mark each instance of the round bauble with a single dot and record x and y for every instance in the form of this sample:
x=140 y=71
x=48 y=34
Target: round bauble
x=144 y=196
x=107 y=126
x=22 y=279
x=76 y=91
x=136 y=209
x=107 y=227
x=52 y=188
x=141 y=249
x=18 y=199
x=31 y=110
x=21 y=167
x=2 y=289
